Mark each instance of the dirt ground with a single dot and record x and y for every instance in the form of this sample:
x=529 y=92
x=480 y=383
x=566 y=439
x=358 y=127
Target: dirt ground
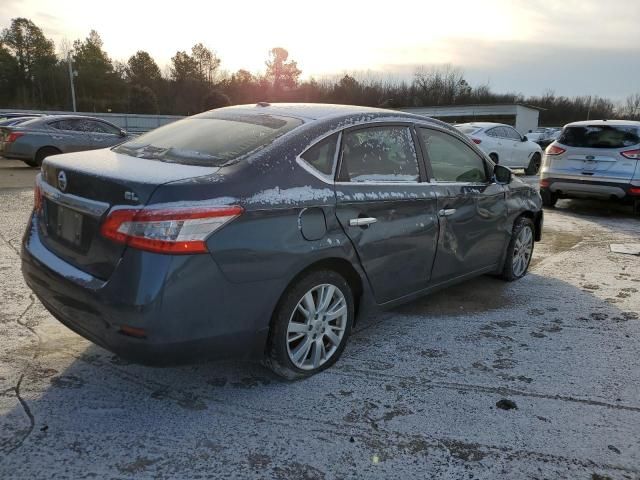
x=414 y=394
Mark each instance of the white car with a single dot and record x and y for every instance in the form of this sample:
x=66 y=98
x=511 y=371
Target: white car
x=504 y=145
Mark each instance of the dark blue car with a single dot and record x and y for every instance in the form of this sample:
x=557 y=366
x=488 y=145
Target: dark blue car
x=263 y=231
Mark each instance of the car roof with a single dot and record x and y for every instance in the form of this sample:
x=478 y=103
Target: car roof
x=630 y=123
x=316 y=111
x=50 y=118
x=482 y=124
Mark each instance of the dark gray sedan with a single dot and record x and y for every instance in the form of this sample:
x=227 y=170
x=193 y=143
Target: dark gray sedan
x=33 y=140
x=264 y=231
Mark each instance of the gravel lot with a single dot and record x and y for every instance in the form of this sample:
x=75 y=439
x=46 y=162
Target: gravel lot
x=413 y=396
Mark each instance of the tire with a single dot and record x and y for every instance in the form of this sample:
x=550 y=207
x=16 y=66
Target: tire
x=494 y=158
x=517 y=250
x=43 y=153
x=549 y=199
x=534 y=165
x=287 y=354
x=31 y=163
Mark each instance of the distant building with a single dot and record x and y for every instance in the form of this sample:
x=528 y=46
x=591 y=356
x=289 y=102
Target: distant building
x=522 y=117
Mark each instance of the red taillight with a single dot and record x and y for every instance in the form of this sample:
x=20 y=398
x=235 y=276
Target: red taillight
x=631 y=154
x=12 y=137
x=554 y=150
x=544 y=183
x=634 y=191
x=179 y=230
x=477 y=141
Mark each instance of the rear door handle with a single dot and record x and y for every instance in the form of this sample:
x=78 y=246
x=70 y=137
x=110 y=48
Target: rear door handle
x=445 y=212
x=362 y=221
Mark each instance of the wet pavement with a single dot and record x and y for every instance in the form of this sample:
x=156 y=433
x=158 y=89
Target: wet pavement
x=533 y=379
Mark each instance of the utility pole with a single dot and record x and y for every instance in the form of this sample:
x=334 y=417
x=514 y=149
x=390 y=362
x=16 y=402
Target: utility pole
x=71 y=72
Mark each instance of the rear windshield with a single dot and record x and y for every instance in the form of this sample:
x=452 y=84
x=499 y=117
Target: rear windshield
x=210 y=139
x=467 y=130
x=600 y=136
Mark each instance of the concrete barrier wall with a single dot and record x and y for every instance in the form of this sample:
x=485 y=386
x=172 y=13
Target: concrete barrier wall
x=133 y=123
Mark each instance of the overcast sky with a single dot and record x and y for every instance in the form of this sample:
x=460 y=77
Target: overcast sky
x=572 y=47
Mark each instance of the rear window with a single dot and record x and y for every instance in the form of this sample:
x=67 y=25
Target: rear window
x=600 y=136
x=210 y=139
x=467 y=130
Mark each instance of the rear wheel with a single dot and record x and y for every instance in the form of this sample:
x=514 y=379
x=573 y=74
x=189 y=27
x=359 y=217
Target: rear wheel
x=534 y=165
x=43 y=153
x=31 y=163
x=520 y=250
x=549 y=198
x=311 y=325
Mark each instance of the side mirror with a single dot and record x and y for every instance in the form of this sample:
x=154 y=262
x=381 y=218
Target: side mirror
x=502 y=174
x=123 y=133
x=524 y=138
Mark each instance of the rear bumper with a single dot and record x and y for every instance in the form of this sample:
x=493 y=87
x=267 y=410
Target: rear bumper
x=188 y=310
x=589 y=187
x=16 y=151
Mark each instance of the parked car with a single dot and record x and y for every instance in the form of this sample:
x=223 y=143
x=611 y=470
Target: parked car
x=553 y=135
x=539 y=134
x=34 y=140
x=504 y=145
x=261 y=231
x=593 y=159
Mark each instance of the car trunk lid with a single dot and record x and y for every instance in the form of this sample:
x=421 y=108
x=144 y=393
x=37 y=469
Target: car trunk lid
x=79 y=189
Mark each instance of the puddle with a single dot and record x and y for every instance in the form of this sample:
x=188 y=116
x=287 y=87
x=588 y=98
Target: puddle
x=552 y=243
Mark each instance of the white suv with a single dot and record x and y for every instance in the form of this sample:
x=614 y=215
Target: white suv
x=593 y=159
x=504 y=145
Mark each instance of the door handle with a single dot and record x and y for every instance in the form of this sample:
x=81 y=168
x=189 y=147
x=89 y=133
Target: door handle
x=445 y=212
x=362 y=221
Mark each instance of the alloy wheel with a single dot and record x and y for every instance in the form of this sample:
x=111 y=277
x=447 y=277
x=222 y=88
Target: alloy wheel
x=317 y=326
x=522 y=250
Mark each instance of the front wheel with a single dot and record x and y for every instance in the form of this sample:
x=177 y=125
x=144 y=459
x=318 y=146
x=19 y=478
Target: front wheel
x=311 y=325
x=534 y=165
x=519 y=251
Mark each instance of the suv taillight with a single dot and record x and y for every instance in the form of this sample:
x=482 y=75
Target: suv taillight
x=12 y=137
x=180 y=230
x=554 y=150
x=631 y=154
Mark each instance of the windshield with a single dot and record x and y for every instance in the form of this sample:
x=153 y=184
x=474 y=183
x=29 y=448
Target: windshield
x=600 y=136
x=210 y=139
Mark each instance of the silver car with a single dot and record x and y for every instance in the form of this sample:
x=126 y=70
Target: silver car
x=593 y=159
x=34 y=140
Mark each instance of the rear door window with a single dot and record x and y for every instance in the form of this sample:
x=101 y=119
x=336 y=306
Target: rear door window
x=600 y=136
x=322 y=155
x=512 y=133
x=379 y=154
x=70 y=125
x=451 y=160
